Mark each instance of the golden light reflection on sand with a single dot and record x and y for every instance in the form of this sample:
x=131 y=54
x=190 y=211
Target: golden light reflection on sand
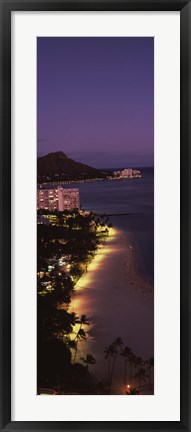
x=84 y=282
x=103 y=251
x=108 y=293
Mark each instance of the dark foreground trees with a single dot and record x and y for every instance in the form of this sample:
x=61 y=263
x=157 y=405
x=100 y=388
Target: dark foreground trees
x=68 y=237
x=55 y=368
x=137 y=372
x=72 y=239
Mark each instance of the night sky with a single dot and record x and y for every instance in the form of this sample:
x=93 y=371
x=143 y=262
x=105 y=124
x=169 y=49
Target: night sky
x=96 y=99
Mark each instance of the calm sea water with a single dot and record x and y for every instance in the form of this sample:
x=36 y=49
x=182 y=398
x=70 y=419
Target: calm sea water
x=135 y=197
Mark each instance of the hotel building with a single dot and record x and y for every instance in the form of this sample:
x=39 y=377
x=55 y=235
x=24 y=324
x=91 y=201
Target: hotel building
x=127 y=172
x=58 y=199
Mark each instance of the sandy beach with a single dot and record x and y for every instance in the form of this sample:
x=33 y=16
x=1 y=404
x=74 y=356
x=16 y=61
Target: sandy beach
x=118 y=303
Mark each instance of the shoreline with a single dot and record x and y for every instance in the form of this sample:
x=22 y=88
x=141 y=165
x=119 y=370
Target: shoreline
x=117 y=303
x=88 y=180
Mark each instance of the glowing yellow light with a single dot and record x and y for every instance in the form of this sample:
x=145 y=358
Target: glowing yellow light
x=78 y=303
x=104 y=250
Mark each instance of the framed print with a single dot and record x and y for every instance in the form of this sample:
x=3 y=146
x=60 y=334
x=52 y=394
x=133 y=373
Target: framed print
x=95 y=215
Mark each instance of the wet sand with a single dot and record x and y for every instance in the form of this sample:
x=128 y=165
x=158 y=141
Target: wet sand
x=118 y=303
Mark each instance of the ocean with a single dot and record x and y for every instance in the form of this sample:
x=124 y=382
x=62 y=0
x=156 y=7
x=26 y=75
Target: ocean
x=132 y=203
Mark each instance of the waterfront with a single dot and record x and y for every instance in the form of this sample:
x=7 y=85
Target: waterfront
x=117 y=292
x=118 y=304
x=132 y=201
x=95 y=257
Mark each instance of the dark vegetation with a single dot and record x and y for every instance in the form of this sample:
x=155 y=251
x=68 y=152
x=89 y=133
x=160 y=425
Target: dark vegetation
x=136 y=370
x=67 y=242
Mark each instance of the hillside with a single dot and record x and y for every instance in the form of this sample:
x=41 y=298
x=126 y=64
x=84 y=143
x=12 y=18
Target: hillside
x=59 y=165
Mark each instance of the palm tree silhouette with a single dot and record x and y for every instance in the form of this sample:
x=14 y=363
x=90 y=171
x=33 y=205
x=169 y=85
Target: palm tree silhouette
x=131 y=360
x=150 y=365
x=109 y=353
x=88 y=360
x=118 y=342
x=117 y=346
x=126 y=353
x=113 y=352
x=83 y=320
x=137 y=361
x=80 y=335
x=141 y=375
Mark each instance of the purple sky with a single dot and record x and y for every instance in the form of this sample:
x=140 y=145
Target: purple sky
x=96 y=99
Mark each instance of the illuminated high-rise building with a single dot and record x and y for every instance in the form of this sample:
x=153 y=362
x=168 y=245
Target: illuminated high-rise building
x=58 y=199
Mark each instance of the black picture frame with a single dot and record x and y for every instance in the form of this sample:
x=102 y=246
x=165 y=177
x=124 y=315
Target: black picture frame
x=6 y=7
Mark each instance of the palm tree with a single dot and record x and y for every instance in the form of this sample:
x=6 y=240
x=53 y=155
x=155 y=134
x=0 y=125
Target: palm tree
x=81 y=335
x=70 y=343
x=109 y=353
x=141 y=375
x=131 y=360
x=126 y=353
x=88 y=360
x=150 y=365
x=83 y=320
x=117 y=344
x=137 y=361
